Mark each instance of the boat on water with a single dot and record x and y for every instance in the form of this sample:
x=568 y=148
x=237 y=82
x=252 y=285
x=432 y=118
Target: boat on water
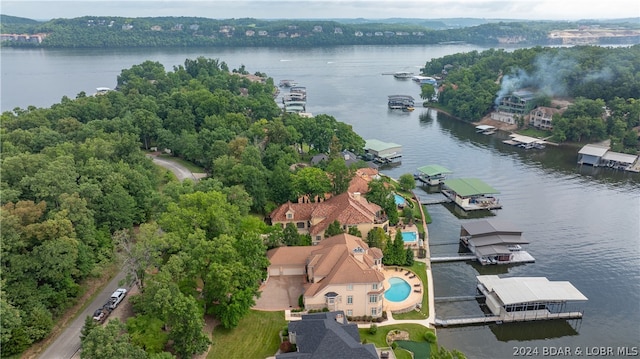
x=403 y=75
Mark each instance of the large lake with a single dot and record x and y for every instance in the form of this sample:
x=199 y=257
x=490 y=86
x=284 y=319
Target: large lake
x=583 y=223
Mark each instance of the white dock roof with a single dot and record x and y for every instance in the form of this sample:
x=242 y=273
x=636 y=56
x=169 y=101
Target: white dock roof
x=593 y=150
x=516 y=290
x=619 y=157
x=525 y=139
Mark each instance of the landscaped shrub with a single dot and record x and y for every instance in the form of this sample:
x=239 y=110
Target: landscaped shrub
x=286 y=346
x=380 y=319
x=301 y=301
x=394 y=345
x=430 y=337
x=325 y=309
x=373 y=329
x=285 y=331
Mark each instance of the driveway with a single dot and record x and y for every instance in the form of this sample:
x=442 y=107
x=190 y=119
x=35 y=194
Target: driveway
x=280 y=293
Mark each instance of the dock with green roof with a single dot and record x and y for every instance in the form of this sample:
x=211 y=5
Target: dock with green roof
x=432 y=175
x=471 y=194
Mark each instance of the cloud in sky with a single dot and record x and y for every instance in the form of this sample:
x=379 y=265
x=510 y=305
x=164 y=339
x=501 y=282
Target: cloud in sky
x=308 y=9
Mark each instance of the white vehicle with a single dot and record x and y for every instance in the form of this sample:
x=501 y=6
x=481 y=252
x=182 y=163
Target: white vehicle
x=117 y=297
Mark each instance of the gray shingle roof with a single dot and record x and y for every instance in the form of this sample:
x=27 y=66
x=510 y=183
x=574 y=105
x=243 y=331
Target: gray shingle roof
x=321 y=336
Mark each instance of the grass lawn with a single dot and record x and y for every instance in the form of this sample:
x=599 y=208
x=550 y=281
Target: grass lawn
x=534 y=132
x=416 y=334
x=255 y=337
x=421 y=270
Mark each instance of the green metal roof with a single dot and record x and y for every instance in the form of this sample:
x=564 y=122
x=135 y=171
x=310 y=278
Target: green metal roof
x=469 y=187
x=433 y=170
x=379 y=146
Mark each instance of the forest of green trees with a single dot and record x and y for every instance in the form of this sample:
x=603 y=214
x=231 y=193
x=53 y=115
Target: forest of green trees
x=110 y=32
x=603 y=84
x=76 y=182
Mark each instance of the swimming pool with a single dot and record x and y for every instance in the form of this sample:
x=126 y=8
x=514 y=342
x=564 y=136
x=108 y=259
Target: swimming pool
x=399 y=200
x=409 y=237
x=399 y=290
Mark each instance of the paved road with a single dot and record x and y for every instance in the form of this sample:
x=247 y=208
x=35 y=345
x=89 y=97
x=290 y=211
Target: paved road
x=180 y=171
x=67 y=344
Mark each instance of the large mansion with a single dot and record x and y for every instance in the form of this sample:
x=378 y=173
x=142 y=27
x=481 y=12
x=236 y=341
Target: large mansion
x=342 y=272
x=350 y=209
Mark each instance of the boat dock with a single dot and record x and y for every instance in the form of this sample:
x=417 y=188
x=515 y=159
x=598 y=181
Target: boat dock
x=464 y=257
x=428 y=202
x=515 y=317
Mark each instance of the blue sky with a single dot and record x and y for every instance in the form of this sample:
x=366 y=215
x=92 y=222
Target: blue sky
x=308 y=9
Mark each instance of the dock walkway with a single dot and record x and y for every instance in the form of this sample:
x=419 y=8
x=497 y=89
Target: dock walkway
x=508 y=318
x=464 y=257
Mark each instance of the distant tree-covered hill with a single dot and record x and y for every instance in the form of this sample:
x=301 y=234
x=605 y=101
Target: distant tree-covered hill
x=112 y=32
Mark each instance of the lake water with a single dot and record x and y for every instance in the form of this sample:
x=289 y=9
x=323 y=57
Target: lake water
x=583 y=223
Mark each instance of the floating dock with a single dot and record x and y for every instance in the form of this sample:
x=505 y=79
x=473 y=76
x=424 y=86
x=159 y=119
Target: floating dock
x=517 y=317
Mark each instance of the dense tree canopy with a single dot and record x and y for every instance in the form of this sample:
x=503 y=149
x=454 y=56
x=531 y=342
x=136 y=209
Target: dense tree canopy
x=596 y=77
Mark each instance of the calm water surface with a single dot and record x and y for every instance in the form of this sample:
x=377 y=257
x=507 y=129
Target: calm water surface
x=583 y=224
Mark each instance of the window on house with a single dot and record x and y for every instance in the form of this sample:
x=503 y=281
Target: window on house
x=318 y=238
x=374 y=311
x=300 y=224
x=350 y=312
x=374 y=286
x=349 y=299
x=331 y=300
x=373 y=298
x=289 y=215
x=349 y=286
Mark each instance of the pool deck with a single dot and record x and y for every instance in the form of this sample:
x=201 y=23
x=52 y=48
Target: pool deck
x=413 y=298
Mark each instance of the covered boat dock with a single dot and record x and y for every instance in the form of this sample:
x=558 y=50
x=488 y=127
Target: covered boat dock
x=494 y=242
x=383 y=152
x=471 y=194
x=527 y=297
x=433 y=175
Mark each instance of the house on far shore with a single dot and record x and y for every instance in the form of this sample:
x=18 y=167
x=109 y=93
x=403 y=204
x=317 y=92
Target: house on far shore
x=342 y=271
x=327 y=335
x=542 y=117
x=349 y=209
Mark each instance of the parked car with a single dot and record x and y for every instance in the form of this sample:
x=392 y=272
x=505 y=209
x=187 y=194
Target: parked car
x=117 y=297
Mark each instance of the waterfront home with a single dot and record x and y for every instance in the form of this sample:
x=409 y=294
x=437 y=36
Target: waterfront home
x=542 y=117
x=327 y=335
x=432 y=175
x=494 y=241
x=529 y=298
x=470 y=194
x=383 y=152
x=342 y=271
x=349 y=209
